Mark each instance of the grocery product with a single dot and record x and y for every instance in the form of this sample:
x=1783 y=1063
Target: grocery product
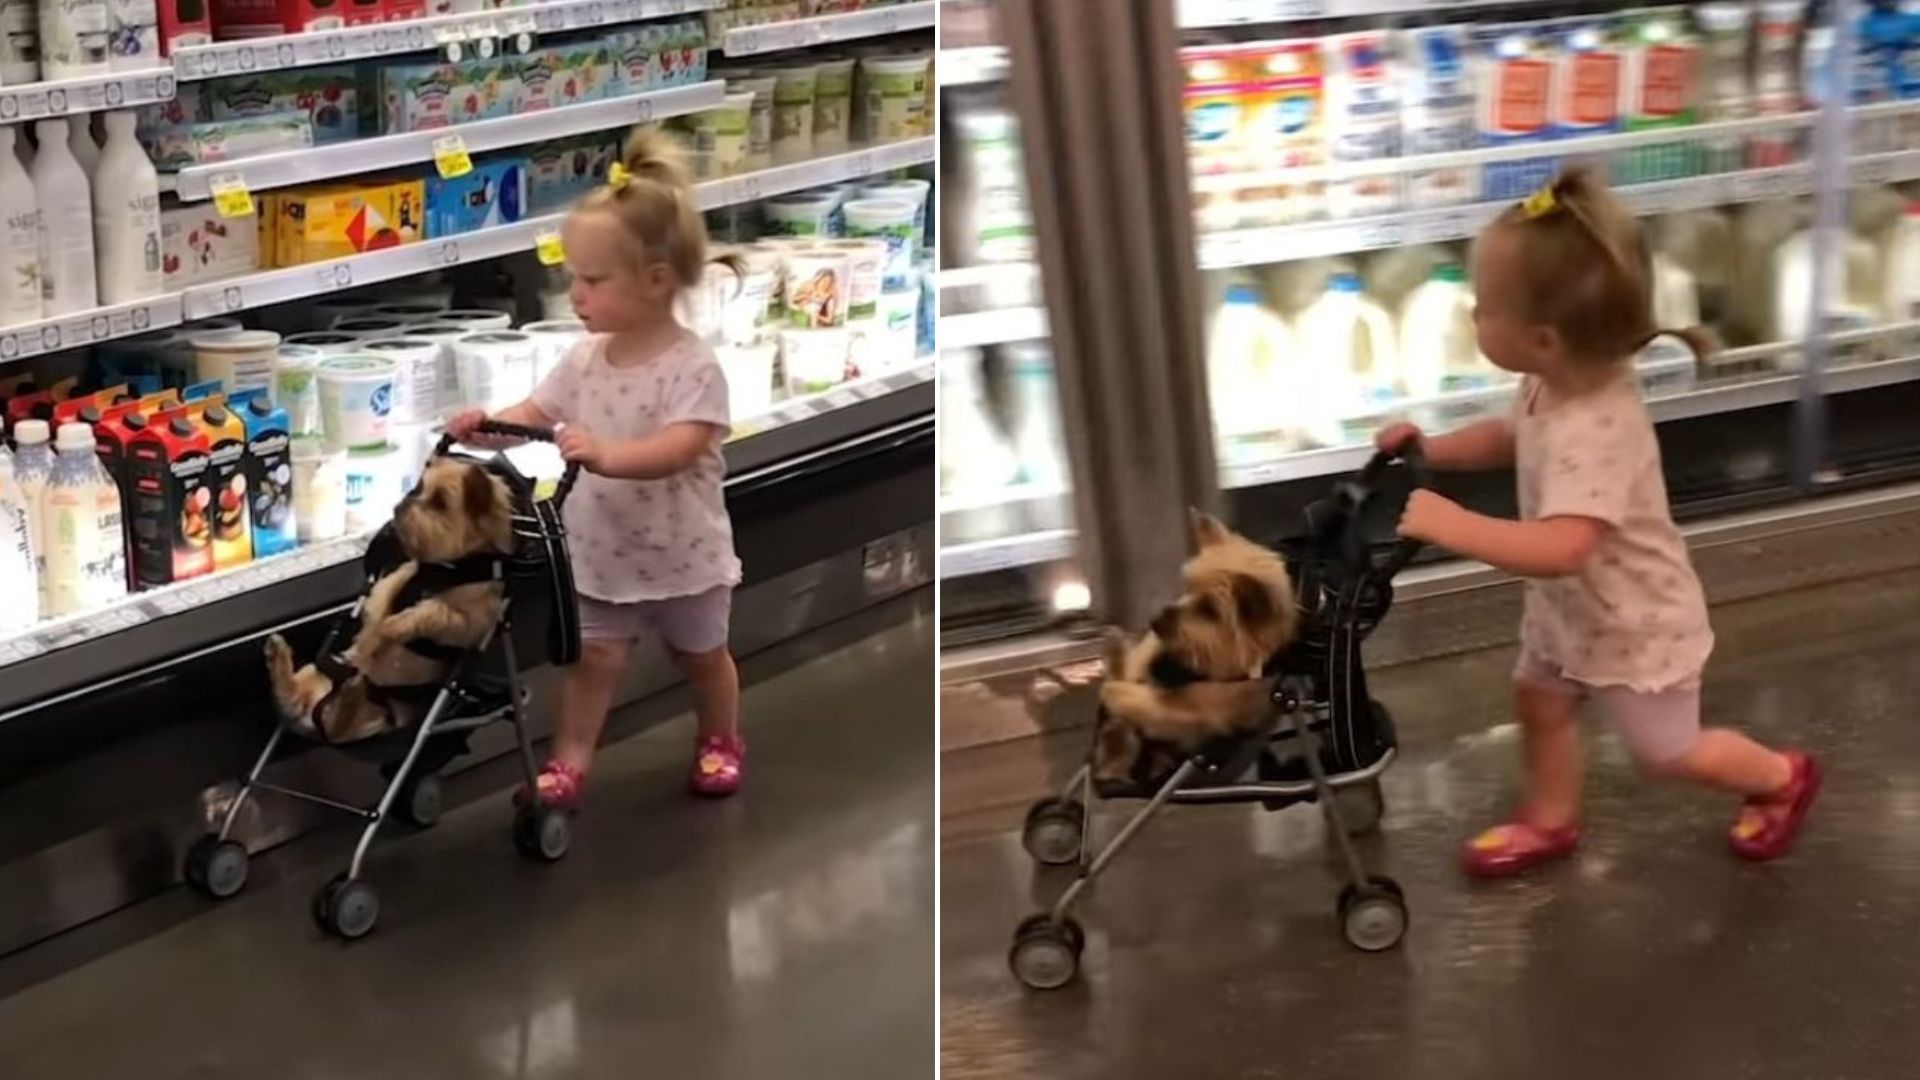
x=1355 y=337
x=1662 y=92
x=19 y=238
x=494 y=193
x=210 y=142
x=866 y=272
x=82 y=528
x=200 y=246
x=1776 y=78
x=33 y=464
x=815 y=360
x=126 y=217
x=833 y=102
x=896 y=96
x=800 y=214
x=328 y=96
x=1591 y=76
x=819 y=286
x=416 y=381
x=185 y=23
x=1855 y=292
x=1727 y=79
x=891 y=220
x=296 y=388
x=421 y=97
x=494 y=368
x=75 y=39
x=18 y=576
x=269 y=18
x=1516 y=105
x=759 y=115
x=1900 y=280
x=19 y=42
x=795 y=87
x=749 y=370
x=721 y=136
x=553 y=339
x=319 y=490
x=1439 y=347
x=80 y=141
x=1363 y=120
x=238 y=360
x=317 y=224
x=977 y=459
x=60 y=188
x=356 y=401
x=559 y=173
x=134 y=29
x=374 y=486
x=229 y=516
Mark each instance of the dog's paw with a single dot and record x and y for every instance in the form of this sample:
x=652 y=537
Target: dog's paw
x=279 y=653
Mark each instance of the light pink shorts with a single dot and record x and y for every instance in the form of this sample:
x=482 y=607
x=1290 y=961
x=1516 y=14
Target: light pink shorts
x=1658 y=726
x=688 y=624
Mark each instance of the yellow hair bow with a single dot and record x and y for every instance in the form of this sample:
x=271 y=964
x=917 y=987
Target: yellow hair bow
x=1540 y=203
x=618 y=177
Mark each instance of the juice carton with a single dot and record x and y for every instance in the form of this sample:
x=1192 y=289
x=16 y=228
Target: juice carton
x=154 y=404
x=227 y=478
x=116 y=428
x=167 y=465
x=1437 y=112
x=269 y=468
x=1516 y=69
x=87 y=408
x=1663 y=91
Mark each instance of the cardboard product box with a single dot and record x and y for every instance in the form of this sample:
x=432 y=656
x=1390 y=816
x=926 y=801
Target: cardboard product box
x=163 y=128
x=215 y=141
x=559 y=173
x=636 y=60
x=402 y=10
x=581 y=72
x=198 y=246
x=494 y=193
x=330 y=96
x=334 y=222
x=235 y=19
x=423 y=97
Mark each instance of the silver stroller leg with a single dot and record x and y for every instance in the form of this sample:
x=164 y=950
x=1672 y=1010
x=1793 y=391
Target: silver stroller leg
x=517 y=712
x=1310 y=745
x=400 y=776
x=253 y=777
x=1120 y=839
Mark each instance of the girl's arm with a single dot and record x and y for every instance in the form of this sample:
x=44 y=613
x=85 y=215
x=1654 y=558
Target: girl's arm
x=465 y=424
x=1547 y=548
x=526 y=414
x=671 y=451
x=1478 y=447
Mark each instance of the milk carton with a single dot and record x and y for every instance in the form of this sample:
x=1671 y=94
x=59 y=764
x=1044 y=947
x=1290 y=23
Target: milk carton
x=1363 y=120
x=1516 y=69
x=1663 y=91
x=1437 y=112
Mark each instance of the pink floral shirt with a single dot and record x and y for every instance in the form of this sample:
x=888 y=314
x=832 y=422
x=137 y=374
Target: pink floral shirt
x=1635 y=615
x=636 y=540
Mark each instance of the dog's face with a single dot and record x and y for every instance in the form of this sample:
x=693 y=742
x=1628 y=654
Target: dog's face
x=1237 y=610
x=461 y=509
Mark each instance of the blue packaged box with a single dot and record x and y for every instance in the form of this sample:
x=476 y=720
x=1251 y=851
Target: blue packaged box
x=494 y=193
x=563 y=171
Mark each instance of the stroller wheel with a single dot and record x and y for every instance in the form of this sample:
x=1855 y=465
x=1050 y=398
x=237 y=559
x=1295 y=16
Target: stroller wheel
x=1053 y=831
x=217 y=867
x=1374 y=918
x=419 y=801
x=1046 y=954
x=542 y=833
x=1361 y=807
x=347 y=909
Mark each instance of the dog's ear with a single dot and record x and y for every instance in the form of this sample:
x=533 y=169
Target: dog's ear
x=1207 y=530
x=476 y=490
x=1251 y=600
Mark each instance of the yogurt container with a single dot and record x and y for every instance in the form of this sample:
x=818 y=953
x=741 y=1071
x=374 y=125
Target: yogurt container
x=833 y=103
x=890 y=220
x=416 y=381
x=721 y=136
x=325 y=342
x=374 y=487
x=815 y=360
x=368 y=327
x=296 y=388
x=356 y=401
x=808 y=214
x=240 y=360
x=866 y=266
x=896 y=96
x=319 y=490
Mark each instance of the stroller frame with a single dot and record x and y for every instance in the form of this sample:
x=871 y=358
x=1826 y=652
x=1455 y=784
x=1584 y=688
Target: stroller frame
x=348 y=906
x=1371 y=908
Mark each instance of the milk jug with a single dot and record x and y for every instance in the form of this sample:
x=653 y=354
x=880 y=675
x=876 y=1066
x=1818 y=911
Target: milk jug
x=1852 y=272
x=1676 y=306
x=1900 y=280
x=1439 y=347
x=126 y=216
x=17 y=575
x=1354 y=336
x=81 y=520
x=1244 y=343
x=33 y=465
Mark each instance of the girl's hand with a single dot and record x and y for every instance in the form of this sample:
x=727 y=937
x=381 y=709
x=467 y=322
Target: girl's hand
x=1430 y=518
x=1394 y=437
x=581 y=448
x=466 y=424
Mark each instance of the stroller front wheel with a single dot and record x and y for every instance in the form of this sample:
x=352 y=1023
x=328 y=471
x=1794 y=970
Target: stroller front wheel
x=1054 y=830
x=542 y=833
x=217 y=867
x=1045 y=953
x=347 y=908
x=1373 y=918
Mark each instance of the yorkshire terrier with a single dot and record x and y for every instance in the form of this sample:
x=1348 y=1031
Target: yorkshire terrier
x=460 y=511
x=1196 y=674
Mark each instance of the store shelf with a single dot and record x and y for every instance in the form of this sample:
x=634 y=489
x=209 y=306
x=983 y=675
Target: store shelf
x=825 y=29
x=1004 y=327
x=89 y=327
x=417 y=147
x=418 y=35
x=800 y=175
x=1197 y=14
x=846 y=395
x=971 y=66
x=1024 y=492
x=121 y=90
x=987 y=556
x=987 y=275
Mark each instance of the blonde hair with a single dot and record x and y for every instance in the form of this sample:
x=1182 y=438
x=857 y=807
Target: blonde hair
x=1586 y=270
x=654 y=203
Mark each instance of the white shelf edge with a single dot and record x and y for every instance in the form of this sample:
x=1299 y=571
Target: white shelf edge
x=986 y=556
x=825 y=29
x=971 y=65
x=850 y=164
x=418 y=35
x=806 y=407
x=1026 y=491
x=359 y=156
x=1006 y=326
x=26 y=340
x=93 y=93
x=982 y=275
x=1200 y=14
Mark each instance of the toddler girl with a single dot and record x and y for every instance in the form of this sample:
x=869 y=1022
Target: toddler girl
x=642 y=407
x=1613 y=608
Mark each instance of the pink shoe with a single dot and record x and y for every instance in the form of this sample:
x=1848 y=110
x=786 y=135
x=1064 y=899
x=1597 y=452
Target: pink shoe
x=559 y=785
x=1767 y=827
x=719 y=765
x=1516 y=847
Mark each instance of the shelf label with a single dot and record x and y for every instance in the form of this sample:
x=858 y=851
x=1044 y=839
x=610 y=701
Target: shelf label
x=231 y=199
x=450 y=157
x=552 y=252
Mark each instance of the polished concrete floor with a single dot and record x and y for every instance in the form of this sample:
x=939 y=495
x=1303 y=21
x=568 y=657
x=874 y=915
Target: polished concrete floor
x=784 y=933
x=1212 y=950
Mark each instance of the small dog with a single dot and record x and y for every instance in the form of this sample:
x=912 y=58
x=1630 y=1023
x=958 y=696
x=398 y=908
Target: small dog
x=1197 y=673
x=443 y=600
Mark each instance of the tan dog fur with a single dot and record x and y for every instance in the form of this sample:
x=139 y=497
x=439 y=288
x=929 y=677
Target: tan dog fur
x=461 y=510
x=1236 y=611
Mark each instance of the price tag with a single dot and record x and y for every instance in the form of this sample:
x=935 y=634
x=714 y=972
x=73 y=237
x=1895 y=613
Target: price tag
x=548 y=247
x=231 y=199
x=450 y=157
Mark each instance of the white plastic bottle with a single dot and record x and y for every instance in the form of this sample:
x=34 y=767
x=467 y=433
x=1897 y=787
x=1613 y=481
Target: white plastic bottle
x=19 y=238
x=17 y=575
x=19 y=43
x=33 y=466
x=1439 y=347
x=1243 y=339
x=126 y=216
x=135 y=29
x=1852 y=275
x=75 y=38
x=67 y=283
x=1350 y=333
x=1900 y=277
x=85 y=150
x=81 y=519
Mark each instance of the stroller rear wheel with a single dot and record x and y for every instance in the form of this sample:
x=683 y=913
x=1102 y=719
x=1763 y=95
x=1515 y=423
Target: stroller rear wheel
x=347 y=908
x=419 y=802
x=542 y=833
x=217 y=867
x=1373 y=918
x=1054 y=830
x=1045 y=953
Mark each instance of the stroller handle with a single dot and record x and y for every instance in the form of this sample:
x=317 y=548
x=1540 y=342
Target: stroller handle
x=1414 y=456
x=531 y=434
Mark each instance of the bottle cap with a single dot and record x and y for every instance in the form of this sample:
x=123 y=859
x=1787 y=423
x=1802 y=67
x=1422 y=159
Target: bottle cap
x=75 y=437
x=33 y=432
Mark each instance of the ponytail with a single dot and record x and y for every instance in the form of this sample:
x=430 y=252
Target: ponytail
x=649 y=191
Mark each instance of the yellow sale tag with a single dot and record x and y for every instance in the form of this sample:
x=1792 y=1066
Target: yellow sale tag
x=450 y=157
x=551 y=251
x=231 y=199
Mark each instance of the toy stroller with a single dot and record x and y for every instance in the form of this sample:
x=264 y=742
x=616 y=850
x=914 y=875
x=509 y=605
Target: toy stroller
x=1324 y=738
x=485 y=686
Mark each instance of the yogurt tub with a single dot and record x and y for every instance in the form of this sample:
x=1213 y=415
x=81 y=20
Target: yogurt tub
x=325 y=342
x=416 y=378
x=410 y=311
x=241 y=360
x=815 y=360
x=833 y=102
x=319 y=490
x=296 y=388
x=370 y=326
x=890 y=220
x=794 y=88
x=866 y=265
x=749 y=370
x=759 y=116
x=413 y=445
x=443 y=334
x=805 y=214
x=356 y=401
x=553 y=339
x=721 y=135
x=375 y=479
x=896 y=97
x=910 y=191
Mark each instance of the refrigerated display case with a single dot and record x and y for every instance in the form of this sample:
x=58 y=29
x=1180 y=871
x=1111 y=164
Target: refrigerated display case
x=119 y=719
x=1334 y=159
